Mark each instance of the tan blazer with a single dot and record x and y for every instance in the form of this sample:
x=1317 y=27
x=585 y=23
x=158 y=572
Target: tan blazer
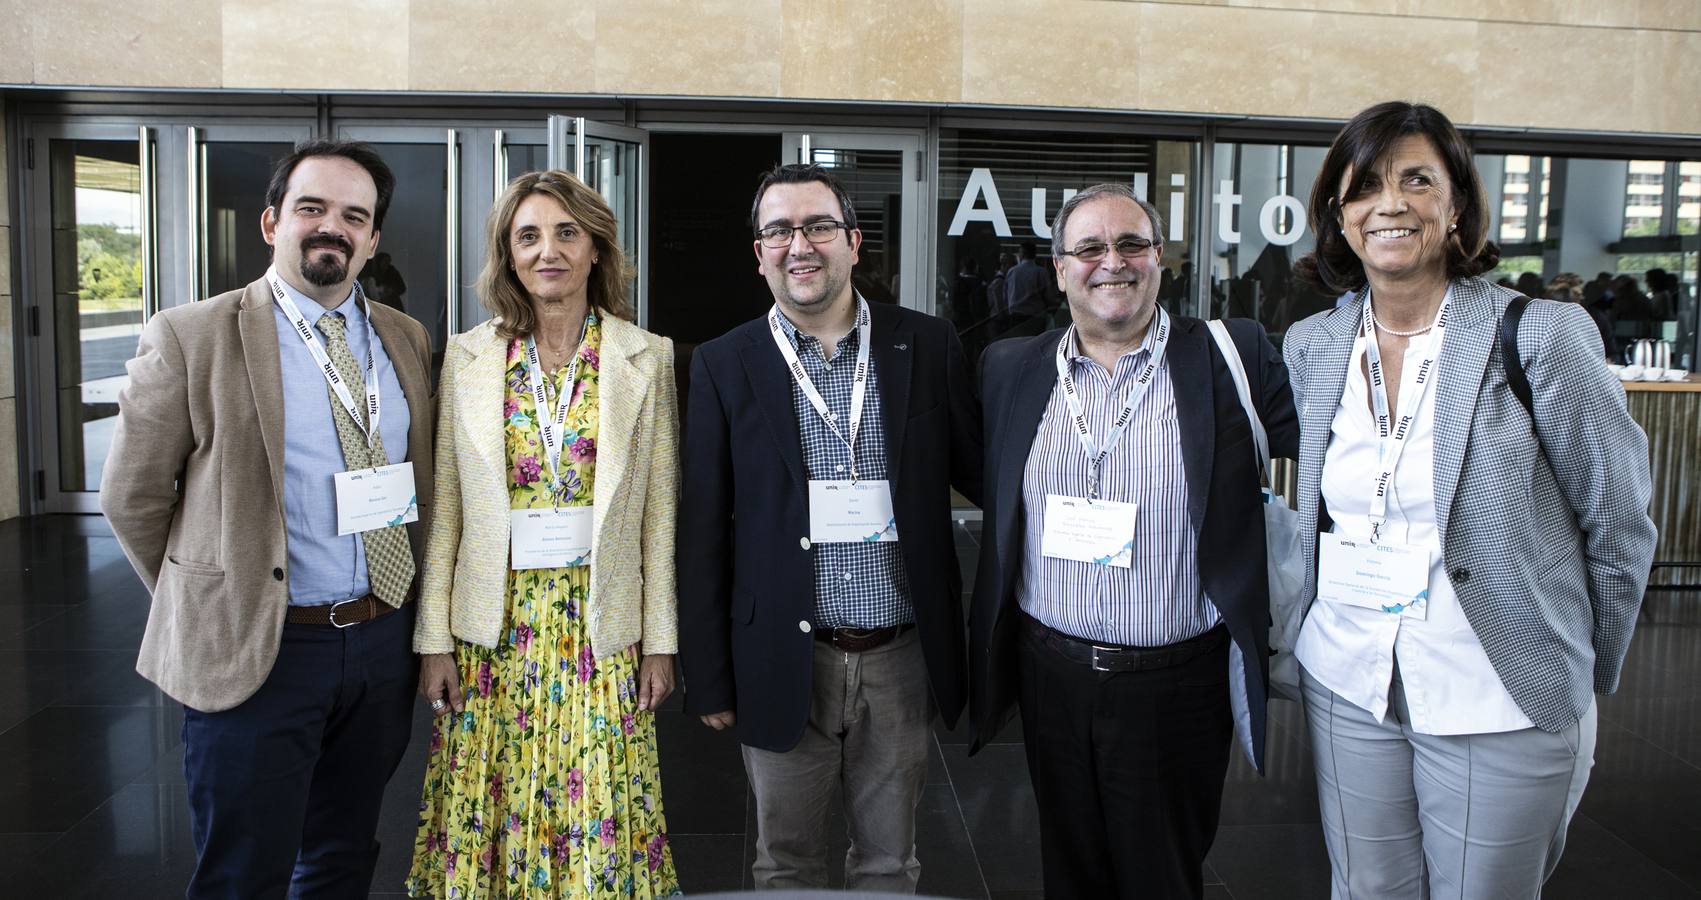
x=193 y=486
x=463 y=591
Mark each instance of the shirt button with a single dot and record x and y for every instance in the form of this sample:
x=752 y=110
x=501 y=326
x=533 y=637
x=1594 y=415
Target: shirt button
x=803 y=626
x=838 y=468
x=803 y=542
x=847 y=576
x=277 y=574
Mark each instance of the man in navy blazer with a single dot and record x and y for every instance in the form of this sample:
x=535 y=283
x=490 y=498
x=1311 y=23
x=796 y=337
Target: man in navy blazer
x=1131 y=672
x=828 y=655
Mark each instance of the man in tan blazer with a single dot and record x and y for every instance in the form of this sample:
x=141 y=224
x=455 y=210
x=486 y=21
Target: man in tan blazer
x=259 y=483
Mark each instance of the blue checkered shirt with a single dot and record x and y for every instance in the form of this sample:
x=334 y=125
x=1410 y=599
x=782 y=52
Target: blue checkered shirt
x=856 y=585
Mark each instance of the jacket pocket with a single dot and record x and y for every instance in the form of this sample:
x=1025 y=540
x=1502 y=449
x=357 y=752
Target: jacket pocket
x=190 y=567
x=743 y=607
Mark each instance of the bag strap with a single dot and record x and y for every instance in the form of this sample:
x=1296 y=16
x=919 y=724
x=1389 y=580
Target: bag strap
x=1514 y=363
x=1237 y=370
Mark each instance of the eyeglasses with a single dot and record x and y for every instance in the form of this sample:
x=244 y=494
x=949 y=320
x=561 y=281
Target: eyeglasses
x=1127 y=248
x=819 y=232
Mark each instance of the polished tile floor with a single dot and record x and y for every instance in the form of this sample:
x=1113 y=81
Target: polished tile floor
x=92 y=805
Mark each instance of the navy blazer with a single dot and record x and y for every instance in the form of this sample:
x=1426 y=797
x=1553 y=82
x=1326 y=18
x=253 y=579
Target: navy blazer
x=1223 y=503
x=745 y=579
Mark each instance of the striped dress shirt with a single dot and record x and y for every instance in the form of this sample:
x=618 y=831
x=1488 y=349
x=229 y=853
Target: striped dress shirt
x=1158 y=600
x=856 y=585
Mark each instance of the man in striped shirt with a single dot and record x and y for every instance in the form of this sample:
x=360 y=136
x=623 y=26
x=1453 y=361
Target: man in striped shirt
x=1121 y=598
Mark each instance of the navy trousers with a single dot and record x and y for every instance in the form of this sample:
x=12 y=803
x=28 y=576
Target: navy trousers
x=284 y=788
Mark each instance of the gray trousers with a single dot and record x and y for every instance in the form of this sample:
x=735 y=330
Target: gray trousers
x=1410 y=815
x=868 y=733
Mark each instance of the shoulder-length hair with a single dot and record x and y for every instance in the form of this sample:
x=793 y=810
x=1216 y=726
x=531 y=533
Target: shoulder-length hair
x=1363 y=146
x=499 y=287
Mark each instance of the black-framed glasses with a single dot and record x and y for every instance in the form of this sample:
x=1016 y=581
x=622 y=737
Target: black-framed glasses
x=1127 y=248
x=817 y=232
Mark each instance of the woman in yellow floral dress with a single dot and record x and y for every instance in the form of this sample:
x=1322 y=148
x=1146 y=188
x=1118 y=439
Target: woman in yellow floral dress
x=543 y=778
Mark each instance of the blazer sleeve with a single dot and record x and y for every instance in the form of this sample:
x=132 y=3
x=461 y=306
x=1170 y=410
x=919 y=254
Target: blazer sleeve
x=150 y=444
x=661 y=512
x=442 y=545
x=705 y=558
x=1599 y=457
x=966 y=437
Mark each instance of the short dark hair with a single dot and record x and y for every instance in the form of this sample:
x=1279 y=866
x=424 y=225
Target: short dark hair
x=1363 y=144
x=801 y=173
x=1029 y=251
x=357 y=152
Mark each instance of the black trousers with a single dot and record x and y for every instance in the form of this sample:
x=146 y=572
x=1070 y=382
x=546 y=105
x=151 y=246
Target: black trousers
x=1128 y=771
x=284 y=788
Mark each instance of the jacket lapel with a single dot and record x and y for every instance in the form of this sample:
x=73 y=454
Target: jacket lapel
x=1464 y=358
x=771 y=384
x=479 y=388
x=259 y=331
x=1326 y=380
x=415 y=382
x=1189 y=365
x=1035 y=380
x=621 y=389
x=893 y=367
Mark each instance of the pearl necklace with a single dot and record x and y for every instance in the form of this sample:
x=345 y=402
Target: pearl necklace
x=1391 y=332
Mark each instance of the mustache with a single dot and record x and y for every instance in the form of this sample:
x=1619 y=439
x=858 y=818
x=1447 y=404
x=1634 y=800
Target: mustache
x=330 y=241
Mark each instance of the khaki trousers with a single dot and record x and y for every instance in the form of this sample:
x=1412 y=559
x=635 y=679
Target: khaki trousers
x=868 y=735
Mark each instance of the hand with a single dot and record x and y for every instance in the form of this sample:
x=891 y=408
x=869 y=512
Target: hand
x=440 y=683
x=720 y=721
x=655 y=680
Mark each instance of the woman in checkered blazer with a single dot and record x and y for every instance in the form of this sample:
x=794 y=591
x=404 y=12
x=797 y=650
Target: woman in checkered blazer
x=1478 y=562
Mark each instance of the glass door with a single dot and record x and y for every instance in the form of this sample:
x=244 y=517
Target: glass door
x=92 y=281
x=227 y=169
x=882 y=173
x=614 y=160
x=418 y=268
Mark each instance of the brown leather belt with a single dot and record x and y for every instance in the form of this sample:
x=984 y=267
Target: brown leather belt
x=860 y=640
x=1117 y=658
x=342 y=615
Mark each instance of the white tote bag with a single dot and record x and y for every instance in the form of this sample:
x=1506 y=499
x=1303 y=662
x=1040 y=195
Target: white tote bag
x=1284 y=559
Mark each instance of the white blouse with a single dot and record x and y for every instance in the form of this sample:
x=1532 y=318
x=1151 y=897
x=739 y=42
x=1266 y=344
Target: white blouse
x=1450 y=686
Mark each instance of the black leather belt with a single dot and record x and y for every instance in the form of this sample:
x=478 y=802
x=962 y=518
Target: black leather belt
x=342 y=615
x=860 y=640
x=1117 y=658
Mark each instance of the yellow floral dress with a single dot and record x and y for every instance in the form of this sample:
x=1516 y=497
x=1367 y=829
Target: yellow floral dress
x=547 y=785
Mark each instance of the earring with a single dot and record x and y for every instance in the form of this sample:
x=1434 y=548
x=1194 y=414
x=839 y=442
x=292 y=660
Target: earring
x=1453 y=227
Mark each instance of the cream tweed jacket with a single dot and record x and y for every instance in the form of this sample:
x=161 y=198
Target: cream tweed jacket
x=464 y=576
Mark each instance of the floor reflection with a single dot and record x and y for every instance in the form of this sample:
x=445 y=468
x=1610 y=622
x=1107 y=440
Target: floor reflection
x=91 y=795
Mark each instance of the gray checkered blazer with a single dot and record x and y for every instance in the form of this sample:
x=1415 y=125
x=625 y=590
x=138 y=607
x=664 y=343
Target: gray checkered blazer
x=1549 y=549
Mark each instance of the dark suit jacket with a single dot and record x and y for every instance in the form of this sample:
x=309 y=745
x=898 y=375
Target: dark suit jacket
x=745 y=582
x=1223 y=501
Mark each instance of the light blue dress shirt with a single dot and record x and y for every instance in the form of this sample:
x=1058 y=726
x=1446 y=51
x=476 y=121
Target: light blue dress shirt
x=325 y=568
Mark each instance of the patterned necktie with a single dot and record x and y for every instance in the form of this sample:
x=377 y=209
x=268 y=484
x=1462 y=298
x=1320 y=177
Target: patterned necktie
x=389 y=561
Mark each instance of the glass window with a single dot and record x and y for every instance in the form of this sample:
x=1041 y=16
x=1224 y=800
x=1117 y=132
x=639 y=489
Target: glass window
x=998 y=194
x=1612 y=235
x=1260 y=204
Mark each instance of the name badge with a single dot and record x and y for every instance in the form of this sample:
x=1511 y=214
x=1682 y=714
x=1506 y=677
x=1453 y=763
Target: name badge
x=1388 y=578
x=1100 y=532
x=550 y=538
x=845 y=512
x=369 y=499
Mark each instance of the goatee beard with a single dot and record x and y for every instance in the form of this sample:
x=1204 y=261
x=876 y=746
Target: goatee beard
x=327 y=272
